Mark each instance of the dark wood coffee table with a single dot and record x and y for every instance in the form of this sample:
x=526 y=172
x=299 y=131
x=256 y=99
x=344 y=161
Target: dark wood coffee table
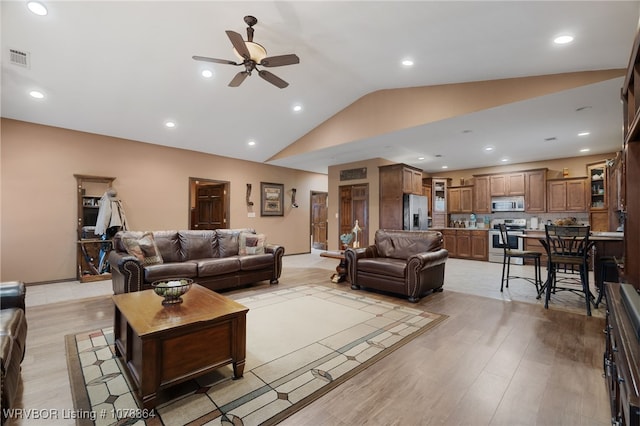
x=165 y=345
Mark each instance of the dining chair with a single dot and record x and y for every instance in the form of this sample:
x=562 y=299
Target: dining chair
x=511 y=253
x=568 y=254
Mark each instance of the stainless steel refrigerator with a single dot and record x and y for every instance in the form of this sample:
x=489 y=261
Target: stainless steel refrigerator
x=415 y=212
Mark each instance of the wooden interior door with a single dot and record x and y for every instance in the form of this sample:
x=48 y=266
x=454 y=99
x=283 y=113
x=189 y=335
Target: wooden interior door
x=209 y=210
x=319 y=223
x=354 y=205
x=208 y=204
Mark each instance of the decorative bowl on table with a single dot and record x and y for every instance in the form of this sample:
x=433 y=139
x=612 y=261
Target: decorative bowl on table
x=171 y=289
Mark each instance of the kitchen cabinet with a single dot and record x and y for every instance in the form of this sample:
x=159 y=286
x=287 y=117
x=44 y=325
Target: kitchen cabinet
x=481 y=195
x=567 y=195
x=505 y=185
x=449 y=241
x=460 y=199
x=465 y=243
x=395 y=181
x=535 y=186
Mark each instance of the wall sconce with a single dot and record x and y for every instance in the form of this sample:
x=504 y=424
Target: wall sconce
x=249 y=202
x=293 y=198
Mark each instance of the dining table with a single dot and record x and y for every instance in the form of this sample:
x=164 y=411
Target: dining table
x=603 y=245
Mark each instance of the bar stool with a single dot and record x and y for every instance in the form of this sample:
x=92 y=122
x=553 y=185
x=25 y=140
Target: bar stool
x=510 y=253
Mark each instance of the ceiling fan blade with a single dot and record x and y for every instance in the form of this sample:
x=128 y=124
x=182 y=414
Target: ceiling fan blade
x=238 y=79
x=217 y=61
x=273 y=79
x=278 y=61
x=238 y=44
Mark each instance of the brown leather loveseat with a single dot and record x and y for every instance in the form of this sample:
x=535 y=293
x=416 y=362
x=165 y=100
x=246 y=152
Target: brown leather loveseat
x=13 y=340
x=217 y=259
x=410 y=263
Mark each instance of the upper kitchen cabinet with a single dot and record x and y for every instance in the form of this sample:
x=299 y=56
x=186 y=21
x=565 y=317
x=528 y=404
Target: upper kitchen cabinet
x=567 y=195
x=505 y=185
x=460 y=199
x=535 y=186
x=395 y=181
x=481 y=195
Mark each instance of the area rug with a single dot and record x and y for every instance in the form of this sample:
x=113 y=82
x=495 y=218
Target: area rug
x=301 y=343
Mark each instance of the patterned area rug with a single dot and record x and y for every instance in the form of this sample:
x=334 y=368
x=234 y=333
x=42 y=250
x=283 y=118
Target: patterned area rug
x=301 y=343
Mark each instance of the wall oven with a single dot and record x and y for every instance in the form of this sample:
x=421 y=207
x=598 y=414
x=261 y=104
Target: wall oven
x=515 y=227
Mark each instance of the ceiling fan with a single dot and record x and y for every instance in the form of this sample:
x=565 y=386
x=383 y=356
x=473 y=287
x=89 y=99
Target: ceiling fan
x=252 y=54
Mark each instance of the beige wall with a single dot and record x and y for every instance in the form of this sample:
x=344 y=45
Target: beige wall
x=38 y=196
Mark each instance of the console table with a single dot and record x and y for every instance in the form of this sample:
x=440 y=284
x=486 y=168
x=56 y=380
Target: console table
x=621 y=361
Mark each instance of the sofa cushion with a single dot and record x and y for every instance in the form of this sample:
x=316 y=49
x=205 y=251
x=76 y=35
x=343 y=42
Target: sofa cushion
x=144 y=248
x=170 y=270
x=383 y=266
x=196 y=244
x=256 y=261
x=228 y=242
x=404 y=244
x=250 y=243
x=168 y=244
x=219 y=266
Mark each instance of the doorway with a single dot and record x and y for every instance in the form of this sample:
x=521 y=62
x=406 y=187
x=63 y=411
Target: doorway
x=208 y=204
x=354 y=205
x=319 y=223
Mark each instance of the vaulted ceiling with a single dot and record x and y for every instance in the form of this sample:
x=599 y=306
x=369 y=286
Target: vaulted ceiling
x=124 y=69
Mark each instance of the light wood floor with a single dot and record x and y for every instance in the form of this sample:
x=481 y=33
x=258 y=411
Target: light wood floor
x=494 y=361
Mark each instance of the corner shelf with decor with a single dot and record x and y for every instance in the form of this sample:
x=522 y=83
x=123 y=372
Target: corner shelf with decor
x=91 y=249
x=598 y=196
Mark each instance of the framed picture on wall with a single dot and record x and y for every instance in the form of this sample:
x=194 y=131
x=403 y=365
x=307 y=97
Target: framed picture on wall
x=271 y=199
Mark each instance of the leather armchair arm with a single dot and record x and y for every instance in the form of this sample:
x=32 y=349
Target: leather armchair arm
x=278 y=252
x=127 y=273
x=352 y=255
x=425 y=260
x=12 y=295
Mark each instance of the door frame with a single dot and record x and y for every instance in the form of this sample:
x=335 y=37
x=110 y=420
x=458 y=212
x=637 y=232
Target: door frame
x=194 y=182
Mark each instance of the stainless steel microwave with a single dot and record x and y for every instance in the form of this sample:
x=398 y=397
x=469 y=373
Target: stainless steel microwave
x=507 y=204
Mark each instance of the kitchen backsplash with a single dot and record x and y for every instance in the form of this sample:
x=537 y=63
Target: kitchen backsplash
x=581 y=218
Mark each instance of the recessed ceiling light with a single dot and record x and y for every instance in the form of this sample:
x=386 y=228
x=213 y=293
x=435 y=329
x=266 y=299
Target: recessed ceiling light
x=170 y=124
x=584 y=134
x=585 y=150
x=407 y=62
x=37 y=8
x=207 y=73
x=297 y=108
x=489 y=148
x=504 y=160
x=251 y=143
x=36 y=94
x=445 y=167
x=563 y=39
x=420 y=158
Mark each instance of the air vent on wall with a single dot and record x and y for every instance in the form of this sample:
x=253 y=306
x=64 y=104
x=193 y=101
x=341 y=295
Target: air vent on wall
x=20 y=58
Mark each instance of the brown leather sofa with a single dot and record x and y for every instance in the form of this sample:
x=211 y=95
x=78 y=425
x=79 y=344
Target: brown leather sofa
x=409 y=263
x=13 y=340
x=210 y=257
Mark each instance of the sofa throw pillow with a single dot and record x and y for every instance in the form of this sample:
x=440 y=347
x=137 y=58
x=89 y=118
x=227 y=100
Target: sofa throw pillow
x=251 y=243
x=144 y=248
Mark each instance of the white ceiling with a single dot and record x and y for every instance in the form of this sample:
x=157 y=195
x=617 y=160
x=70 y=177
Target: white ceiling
x=123 y=69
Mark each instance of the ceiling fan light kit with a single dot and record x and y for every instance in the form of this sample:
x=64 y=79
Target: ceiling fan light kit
x=250 y=55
